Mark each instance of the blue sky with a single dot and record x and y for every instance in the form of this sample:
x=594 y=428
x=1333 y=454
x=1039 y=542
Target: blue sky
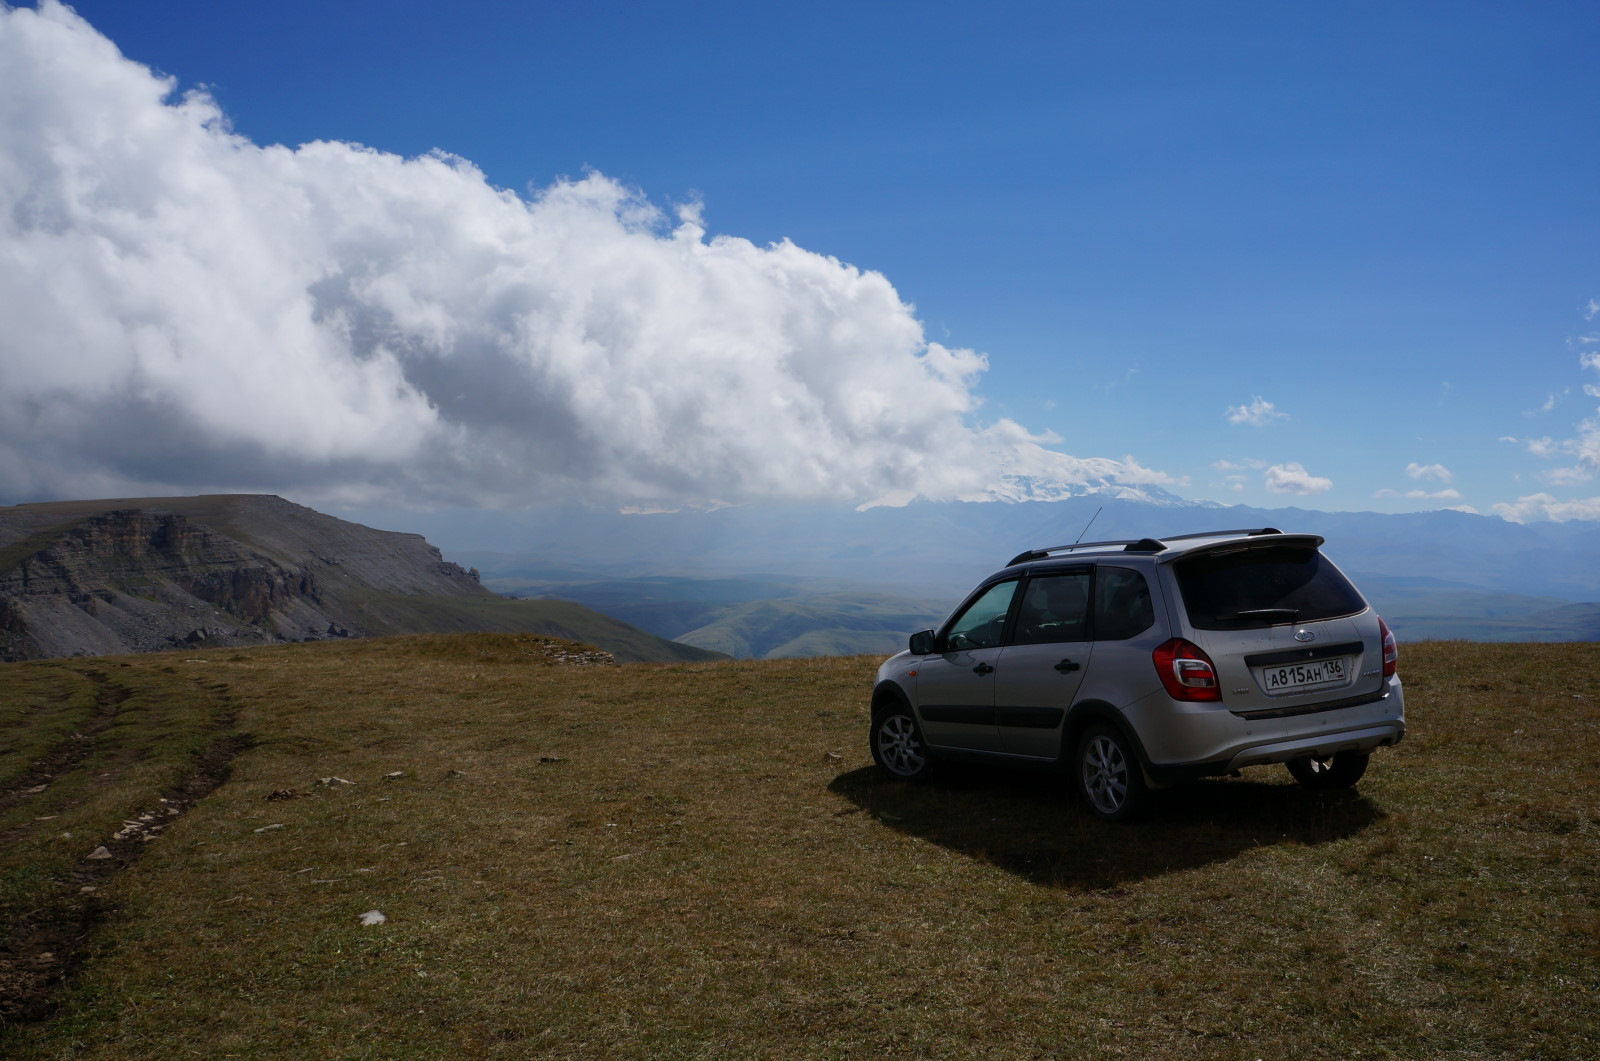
x=1338 y=241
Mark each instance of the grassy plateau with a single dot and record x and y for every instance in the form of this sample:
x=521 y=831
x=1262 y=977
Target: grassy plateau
x=695 y=860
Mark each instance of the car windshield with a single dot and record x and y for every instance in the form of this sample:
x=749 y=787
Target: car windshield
x=1263 y=586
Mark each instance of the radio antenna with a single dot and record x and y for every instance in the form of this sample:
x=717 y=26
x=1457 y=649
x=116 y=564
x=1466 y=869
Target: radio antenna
x=1086 y=526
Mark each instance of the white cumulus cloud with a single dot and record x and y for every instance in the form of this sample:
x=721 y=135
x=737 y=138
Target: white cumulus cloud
x=1259 y=413
x=1292 y=478
x=1429 y=471
x=1536 y=507
x=1583 y=452
x=187 y=310
x=1539 y=447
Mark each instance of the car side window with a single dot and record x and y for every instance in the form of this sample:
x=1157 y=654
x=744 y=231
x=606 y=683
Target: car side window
x=1054 y=608
x=1122 y=604
x=981 y=623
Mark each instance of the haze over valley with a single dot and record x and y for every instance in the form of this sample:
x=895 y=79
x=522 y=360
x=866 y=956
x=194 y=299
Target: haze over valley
x=809 y=580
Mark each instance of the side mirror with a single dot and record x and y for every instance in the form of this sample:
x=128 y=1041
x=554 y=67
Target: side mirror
x=922 y=643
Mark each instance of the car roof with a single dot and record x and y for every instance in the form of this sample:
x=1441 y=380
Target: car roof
x=1167 y=549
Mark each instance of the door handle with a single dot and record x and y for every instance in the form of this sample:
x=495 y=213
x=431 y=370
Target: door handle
x=1066 y=666
x=983 y=668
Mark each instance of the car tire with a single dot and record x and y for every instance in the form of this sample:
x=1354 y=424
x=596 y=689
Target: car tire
x=1108 y=774
x=897 y=744
x=1321 y=775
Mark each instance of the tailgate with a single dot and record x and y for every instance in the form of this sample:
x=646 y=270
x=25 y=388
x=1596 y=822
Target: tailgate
x=1306 y=666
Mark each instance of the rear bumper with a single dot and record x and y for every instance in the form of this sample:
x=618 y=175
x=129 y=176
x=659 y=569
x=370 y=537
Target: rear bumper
x=1322 y=745
x=1188 y=741
x=1365 y=739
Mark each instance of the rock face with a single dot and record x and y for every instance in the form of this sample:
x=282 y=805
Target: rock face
x=105 y=577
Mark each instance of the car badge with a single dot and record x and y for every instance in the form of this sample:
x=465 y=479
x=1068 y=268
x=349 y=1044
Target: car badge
x=1303 y=634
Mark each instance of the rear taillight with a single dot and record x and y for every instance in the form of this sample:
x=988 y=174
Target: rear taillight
x=1186 y=671
x=1391 y=652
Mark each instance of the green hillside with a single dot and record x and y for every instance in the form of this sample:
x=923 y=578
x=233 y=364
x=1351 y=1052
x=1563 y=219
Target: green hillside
x=753 y=617
x=489 y=846
x=401 y=613
x=772 y=629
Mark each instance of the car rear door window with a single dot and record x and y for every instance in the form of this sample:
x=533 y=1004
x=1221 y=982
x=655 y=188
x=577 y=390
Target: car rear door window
x=1054 y=608
x=1122 y=604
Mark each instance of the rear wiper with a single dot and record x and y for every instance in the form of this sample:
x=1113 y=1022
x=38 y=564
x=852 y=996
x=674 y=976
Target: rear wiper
x=1257 y=613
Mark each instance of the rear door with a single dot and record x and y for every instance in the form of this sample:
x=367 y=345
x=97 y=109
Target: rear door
x=1039 y=672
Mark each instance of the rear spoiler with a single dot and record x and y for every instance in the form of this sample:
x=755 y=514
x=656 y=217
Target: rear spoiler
x=1235 y=545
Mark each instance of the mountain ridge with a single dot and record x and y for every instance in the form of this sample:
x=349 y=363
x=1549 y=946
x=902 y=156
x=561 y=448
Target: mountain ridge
x=145 y=574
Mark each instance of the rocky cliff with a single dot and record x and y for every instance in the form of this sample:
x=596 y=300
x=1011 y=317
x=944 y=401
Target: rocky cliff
x=103 y=577
x=142 y=575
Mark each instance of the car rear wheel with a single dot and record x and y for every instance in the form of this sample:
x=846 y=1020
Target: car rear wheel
x=1329 y=772
x=897 y=745
x=1109 y=777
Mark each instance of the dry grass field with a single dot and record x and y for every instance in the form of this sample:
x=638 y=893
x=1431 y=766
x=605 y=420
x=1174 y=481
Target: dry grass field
x=695 y=861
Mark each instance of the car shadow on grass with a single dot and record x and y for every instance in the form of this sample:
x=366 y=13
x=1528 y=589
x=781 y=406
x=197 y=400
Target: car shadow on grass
x=1033 y=825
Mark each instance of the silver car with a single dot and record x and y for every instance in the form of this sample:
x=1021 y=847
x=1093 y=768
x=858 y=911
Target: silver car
x=1138 y=664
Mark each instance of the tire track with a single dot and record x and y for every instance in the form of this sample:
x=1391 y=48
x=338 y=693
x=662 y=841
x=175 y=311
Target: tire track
x=40 y=954
x=68 y=754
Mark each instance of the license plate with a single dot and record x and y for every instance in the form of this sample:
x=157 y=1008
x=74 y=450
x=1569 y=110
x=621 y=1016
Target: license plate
x=1292 y=676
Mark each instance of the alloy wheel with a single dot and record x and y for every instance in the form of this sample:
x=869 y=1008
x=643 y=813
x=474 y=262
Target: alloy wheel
x=1105 y=774
x=899 y=746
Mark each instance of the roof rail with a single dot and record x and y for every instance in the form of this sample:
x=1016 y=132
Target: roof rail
x=1040 y=554
x=1131 y=545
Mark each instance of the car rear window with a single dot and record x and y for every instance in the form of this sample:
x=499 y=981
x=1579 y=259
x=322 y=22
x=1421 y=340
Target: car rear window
x=1263 y=586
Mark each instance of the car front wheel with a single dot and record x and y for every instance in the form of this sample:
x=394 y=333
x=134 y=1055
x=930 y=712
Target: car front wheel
x=1338 y=771
x=897 y=745
x=1108 y=775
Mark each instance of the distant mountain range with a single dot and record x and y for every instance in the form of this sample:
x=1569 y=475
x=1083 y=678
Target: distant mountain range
x=941 y=547
x=802 y=580
x=111 y=576
x=145 y=574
